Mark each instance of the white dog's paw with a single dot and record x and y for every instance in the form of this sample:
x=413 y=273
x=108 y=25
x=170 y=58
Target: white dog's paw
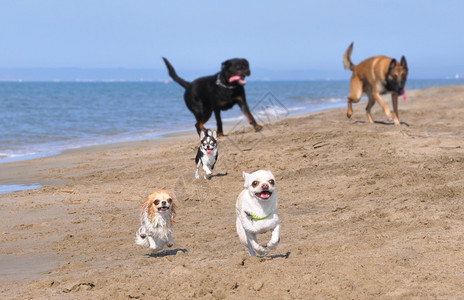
x=272 y=245
x=142 y=232
x=261 y=251
x=208 y=177
x=155 y=249
x=197 y=176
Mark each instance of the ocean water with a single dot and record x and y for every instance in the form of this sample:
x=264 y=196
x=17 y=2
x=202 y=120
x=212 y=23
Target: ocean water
x=44 y=118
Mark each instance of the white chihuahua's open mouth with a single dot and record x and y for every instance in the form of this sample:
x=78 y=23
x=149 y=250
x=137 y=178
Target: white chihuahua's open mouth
x=163 y=208
x=264 y=195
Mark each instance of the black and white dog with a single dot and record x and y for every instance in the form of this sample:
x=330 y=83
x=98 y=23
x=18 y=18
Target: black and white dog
x=207 y=153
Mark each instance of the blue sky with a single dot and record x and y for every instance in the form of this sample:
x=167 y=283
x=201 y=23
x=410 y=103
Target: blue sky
x=199 y=35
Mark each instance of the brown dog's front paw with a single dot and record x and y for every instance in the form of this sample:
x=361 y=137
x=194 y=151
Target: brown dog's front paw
x=258 y=127
x=220 y=134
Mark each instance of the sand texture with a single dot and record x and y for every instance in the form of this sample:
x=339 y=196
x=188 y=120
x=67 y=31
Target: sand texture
x=367 y=211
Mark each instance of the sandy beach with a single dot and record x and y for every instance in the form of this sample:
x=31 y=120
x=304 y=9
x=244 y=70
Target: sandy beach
x=367 y=211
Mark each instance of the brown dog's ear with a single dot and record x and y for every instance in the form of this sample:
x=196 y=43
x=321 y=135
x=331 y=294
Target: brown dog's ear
x=392 y=65
x=404 y=64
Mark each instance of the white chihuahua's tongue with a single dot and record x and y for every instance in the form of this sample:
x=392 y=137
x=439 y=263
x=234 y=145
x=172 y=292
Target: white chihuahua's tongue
x=209 y=151
x=237 y=78
x=264 y=195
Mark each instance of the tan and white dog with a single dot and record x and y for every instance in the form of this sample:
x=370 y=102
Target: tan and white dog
x=156 y=222
x=376 y=76
x=256 y=210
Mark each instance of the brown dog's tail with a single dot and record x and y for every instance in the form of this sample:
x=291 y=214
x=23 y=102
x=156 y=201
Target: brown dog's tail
x=347 y=63
x=174 y=76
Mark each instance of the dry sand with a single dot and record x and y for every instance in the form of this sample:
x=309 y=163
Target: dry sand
x=367 y=211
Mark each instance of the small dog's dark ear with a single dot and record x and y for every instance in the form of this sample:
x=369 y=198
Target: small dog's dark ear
x=392 y=64
x=404 y=63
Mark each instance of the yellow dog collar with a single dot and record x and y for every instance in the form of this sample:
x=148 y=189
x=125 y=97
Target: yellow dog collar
x=253 y=217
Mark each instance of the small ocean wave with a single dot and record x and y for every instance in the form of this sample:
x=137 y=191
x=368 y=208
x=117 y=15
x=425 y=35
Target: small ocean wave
x=268 y=112
x=11 y=188
x=20 y=155
x=322 y=100
x=55 y=148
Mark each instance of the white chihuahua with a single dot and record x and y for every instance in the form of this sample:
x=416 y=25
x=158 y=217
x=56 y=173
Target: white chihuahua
x=256 y=210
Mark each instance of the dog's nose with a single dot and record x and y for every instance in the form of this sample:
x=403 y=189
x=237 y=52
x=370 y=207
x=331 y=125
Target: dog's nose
x=265 y=186
x=163 y=202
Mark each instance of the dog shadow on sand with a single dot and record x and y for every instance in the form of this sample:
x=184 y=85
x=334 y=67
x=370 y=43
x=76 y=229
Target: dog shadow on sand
x=382 y=123
x=219 y=175
x=164 y=253
x=274 y=256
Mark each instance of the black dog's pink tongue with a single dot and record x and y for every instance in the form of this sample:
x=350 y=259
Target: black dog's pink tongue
x=237 y=78
x=234 y=78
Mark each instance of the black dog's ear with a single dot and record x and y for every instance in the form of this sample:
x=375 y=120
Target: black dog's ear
x=404 y=64
x=226 y=64
x=392 y=65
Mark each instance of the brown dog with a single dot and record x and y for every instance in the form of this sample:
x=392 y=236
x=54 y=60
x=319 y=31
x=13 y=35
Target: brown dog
x=376 y=76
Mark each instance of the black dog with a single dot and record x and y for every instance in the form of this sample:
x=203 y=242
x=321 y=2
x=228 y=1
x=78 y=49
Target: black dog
x=217 y=92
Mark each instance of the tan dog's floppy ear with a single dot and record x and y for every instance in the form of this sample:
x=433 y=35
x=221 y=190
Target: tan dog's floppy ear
x=245 y=176
x=149 y=207
x=404 y=64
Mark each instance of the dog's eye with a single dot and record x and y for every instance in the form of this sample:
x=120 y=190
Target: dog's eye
x=254 y=183
x=156 y=202
x=169 y=200
x=271 y=182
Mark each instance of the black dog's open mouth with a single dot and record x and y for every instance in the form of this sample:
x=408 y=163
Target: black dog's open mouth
x=163 y=208
x=237 y=77
x=264 y=195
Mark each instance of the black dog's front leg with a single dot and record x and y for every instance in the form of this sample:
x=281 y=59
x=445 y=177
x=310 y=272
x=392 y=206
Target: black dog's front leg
x=246 y=111
x=217 y=114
